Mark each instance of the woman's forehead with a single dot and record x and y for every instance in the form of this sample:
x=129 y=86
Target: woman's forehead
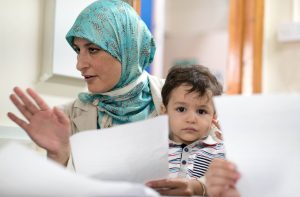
x=81 y=41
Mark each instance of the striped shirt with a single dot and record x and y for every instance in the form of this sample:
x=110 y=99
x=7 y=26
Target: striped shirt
x=186 y=161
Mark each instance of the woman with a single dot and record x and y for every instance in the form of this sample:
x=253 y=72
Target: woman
x=113 y=49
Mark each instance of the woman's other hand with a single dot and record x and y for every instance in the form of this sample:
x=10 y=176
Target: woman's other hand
x=221 y=178
x=176 y=187
x=48 y=128
x=231 y=192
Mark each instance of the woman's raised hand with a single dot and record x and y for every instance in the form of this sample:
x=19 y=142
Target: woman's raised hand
x=47 y=127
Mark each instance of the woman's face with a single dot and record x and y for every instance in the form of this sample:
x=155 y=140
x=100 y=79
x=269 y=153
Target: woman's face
x=100 y=70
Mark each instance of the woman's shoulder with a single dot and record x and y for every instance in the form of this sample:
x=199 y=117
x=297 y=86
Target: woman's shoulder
x=75 y=106
x=82 y=116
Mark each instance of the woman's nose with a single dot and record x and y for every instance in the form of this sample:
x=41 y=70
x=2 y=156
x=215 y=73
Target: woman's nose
x=82 y=61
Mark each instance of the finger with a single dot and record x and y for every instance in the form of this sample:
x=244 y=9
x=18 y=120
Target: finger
x=219 y=135
x=216 y=191
x=29 y=105
x=216 y=123
x=40 y=102
x=231 y=192
x=168 y=183
x=221 y=177
x=223 y=173
x=217 y=163
x=20 y=107
x=62 y=118
x=222 y=163
x=18 y=121
x=220 y=182
x=157 y=184
x=220 y=166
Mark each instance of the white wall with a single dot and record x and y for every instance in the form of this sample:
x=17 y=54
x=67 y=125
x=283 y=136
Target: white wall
x=209 y=49
x=281 y=65
x=197 y=30
x=21 y=44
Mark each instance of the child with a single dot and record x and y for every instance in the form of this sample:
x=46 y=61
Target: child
x=187 y=99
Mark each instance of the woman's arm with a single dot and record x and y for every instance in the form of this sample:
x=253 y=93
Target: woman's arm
x=47 y=127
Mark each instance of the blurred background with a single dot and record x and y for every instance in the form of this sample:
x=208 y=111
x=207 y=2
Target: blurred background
x=253 y=46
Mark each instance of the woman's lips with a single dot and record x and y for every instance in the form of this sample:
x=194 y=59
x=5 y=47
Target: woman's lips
x=89 y=77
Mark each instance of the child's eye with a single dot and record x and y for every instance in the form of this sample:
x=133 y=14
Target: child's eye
x=201 y=111
x=180 y=109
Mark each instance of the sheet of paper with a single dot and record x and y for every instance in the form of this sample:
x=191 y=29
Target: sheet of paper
x=262 y=136
x=135 y=152
x=25 y=173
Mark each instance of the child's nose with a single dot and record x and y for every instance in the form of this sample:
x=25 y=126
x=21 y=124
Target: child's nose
x=191 y=117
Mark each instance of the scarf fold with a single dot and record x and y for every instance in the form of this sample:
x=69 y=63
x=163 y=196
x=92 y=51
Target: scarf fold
x=128 y=104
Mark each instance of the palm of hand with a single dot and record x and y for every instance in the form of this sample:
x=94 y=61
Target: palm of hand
x=48 y=128
x=48 y=131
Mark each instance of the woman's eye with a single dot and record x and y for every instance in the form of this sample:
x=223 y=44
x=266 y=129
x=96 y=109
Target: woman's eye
x=93 y=50
x=180 y=109
x=76 y=49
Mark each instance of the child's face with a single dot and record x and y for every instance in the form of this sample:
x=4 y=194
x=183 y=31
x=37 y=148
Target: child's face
x=190 y=116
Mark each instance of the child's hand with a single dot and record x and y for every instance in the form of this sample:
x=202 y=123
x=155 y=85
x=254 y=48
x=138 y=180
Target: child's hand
x=221 y=178
x=216 y=123
x=218 y=133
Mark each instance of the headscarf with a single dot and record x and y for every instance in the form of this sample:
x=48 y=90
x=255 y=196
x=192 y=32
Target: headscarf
x=114 y=26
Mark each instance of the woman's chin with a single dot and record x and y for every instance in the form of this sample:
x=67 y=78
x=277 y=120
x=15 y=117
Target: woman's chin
x=94 y=90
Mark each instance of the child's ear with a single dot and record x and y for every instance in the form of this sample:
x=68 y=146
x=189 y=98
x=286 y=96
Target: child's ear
x=163 y=109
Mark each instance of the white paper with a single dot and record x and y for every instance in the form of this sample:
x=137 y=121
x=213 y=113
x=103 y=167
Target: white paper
x=25 y=173
x=262 y=136
x=135 y=152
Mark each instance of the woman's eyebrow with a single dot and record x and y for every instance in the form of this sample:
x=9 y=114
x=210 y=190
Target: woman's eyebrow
x=86 y=45
x=90 y=44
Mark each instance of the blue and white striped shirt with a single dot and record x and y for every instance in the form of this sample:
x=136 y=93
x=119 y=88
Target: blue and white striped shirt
x=187 y=161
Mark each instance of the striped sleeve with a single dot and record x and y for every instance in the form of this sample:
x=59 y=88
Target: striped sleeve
x=204 y=157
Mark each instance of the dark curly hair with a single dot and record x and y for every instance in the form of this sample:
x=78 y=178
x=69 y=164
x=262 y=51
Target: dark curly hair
x=198 y=77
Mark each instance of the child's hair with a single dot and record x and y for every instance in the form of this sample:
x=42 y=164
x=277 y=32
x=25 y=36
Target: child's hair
x=198 y=77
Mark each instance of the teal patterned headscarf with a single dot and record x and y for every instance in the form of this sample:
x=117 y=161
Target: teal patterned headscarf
x=114 y=26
